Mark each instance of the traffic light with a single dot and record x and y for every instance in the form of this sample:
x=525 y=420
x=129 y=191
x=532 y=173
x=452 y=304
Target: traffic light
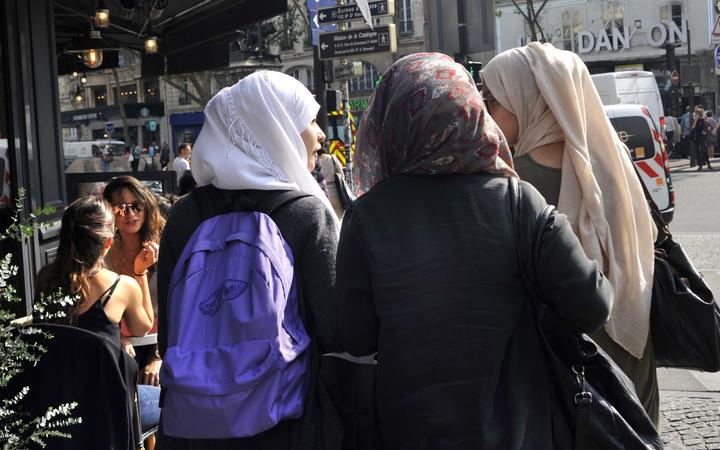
x=334 y=100
x=474 y=67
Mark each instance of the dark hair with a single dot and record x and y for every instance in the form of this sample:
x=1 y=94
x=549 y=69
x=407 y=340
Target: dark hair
x=154 y=222
x=87 y=224
x=182 y=146
x=187 y=183
x=165 y=202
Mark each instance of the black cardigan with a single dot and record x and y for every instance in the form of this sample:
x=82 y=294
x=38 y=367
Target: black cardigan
x=427 y=276
x=307 y=226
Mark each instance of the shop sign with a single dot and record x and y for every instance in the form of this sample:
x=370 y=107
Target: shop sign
x=617 y=39
x=358 y=104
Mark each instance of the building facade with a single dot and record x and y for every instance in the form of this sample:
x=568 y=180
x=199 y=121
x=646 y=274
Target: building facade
x=661 y=36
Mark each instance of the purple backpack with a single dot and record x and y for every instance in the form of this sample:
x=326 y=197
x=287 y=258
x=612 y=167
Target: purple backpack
x=237 y=352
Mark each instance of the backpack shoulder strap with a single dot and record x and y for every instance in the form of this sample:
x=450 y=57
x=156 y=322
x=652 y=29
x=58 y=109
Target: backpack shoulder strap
x=275 y=203
x=213 y=201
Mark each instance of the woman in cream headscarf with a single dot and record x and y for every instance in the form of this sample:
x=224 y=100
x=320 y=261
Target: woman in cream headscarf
x=549 y=110
x=260 y=139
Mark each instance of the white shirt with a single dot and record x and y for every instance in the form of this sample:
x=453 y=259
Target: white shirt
x=180 y=165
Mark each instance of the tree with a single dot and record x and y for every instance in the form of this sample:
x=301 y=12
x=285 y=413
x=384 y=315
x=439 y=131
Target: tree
x=531 y=16
x=201 y=81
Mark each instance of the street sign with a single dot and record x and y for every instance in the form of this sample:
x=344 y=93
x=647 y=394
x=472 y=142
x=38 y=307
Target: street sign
x=345 y=71
x=109 y=127
x=675 y=78
x=346 y=13
x=717 y=56
x=340 y=44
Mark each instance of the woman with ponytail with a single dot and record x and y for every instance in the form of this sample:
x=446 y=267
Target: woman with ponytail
x=103 y=297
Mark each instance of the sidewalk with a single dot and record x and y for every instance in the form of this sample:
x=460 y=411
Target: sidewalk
x=689 y=400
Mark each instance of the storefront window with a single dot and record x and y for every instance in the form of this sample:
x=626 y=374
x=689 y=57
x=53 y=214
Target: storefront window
x=672 y=12
x=613 y=16
x=151 y=90
x=99 y=94
x=367 y=81
x=128 y=94
x=571 y=26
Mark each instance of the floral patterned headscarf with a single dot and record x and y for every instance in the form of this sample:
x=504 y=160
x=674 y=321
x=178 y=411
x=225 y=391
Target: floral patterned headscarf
x=425 y=118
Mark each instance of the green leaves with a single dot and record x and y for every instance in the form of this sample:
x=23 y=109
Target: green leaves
x=21 y=346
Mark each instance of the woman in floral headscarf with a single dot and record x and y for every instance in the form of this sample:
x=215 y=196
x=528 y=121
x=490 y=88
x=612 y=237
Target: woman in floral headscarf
x=427 y=274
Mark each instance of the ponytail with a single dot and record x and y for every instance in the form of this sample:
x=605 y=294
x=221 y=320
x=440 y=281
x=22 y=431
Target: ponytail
x=87 y=224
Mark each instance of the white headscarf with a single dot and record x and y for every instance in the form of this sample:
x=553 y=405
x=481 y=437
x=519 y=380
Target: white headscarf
x=251 y=136
x=551 y=93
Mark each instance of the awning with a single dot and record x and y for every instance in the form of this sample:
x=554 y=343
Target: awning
x=194 y=29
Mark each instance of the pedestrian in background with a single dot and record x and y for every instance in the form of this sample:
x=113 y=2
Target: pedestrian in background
x=673 y=132
x=135 y=163
x=164 y=156
x=547 y=106
x=428 y=277
x=181 y=163
x=330 y=166
x=698 y=134
x=686 y=143
x=711 y=134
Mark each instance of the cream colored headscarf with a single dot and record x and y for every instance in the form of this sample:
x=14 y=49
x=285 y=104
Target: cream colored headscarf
x=551 y=93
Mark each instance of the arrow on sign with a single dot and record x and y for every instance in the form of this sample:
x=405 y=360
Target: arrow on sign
x=323 y=46
x=322 y=16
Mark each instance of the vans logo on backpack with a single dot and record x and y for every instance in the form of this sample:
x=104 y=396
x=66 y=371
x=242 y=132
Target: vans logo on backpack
x=228 y=290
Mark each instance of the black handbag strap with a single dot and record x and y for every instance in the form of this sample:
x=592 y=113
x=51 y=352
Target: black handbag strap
x=526 y=260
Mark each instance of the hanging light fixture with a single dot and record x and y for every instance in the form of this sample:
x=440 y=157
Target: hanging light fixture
x=78 y=98
x=83 y=79
x=151 y=45
x=102 y=15
x=90 y=48
x=93 y=57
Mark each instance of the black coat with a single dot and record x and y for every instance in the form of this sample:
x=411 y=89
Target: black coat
x=427 y=276
x=308 y=227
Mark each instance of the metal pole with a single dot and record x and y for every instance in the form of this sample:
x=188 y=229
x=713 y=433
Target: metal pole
x=462 y=30
x=318 y=79
x=691 y=101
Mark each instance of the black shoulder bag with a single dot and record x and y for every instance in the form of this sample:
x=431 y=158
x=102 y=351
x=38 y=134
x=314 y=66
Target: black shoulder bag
x=344 y=192
x=595 y=397
x=684 y=318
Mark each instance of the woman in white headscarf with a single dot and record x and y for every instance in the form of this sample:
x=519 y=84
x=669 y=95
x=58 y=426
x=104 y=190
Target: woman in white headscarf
x=547 y=106
x=259 y=139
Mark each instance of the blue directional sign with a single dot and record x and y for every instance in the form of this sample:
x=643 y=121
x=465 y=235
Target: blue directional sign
x=316 y=28
x=109 y=127
x=346 y=13
x=717 y=56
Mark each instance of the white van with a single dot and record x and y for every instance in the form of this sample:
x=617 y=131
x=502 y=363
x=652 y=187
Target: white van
x=91 y=149
x=636 y=130
x=634 y=87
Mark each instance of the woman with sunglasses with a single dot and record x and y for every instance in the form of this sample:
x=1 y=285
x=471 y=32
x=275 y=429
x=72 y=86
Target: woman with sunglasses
x=104 y=297
x=138 y=225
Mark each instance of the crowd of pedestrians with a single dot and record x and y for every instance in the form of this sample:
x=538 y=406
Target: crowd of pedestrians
x=419 y=276
x=694 y=136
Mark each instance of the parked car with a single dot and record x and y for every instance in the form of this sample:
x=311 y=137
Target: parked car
x=637 y=130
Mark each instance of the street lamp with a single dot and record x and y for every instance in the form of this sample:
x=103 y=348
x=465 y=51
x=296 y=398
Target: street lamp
x=151 y=45
x=78 y=99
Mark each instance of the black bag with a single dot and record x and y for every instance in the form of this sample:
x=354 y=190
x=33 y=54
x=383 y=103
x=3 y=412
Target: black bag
x=684 y=318
x=344 y=192
x=594 y=396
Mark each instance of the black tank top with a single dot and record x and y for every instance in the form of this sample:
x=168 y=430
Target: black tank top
x=95 y=319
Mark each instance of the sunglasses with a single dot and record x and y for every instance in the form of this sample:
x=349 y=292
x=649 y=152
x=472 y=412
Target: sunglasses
x=122 y=209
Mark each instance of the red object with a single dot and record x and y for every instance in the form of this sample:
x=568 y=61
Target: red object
x=647 y=169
